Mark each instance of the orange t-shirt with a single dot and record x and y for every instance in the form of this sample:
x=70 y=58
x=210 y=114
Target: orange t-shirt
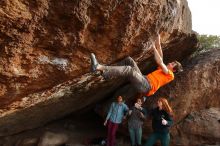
x=157 y=79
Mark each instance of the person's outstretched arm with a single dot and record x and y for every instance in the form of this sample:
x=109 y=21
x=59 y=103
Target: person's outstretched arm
x=158 y=46
x=159 y=56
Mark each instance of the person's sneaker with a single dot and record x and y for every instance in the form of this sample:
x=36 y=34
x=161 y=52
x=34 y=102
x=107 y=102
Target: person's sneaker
x=94 y=62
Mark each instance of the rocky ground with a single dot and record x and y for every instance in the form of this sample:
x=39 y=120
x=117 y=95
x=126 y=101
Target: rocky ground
x=70 y=131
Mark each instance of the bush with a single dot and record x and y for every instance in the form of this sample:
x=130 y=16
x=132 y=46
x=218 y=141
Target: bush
x=208 y=42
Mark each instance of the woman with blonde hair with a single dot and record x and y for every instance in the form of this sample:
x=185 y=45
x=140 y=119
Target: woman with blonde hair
x=161 y=121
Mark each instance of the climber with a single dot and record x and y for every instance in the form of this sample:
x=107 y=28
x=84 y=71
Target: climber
x=145 y=84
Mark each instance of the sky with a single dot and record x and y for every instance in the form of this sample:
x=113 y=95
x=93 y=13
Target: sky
x=205 y=16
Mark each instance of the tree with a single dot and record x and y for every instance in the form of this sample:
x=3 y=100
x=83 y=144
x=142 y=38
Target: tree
x=208 y=42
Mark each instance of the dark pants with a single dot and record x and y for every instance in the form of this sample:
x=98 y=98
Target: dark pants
x=135 y=136
x=128 y=68
x=163 y=137
x=112 y=128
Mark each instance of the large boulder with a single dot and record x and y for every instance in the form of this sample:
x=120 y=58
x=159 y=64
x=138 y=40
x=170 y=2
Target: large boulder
x=191 y=95
x=194 y=97
x=197 y=87
x=45 y=47
x=199 y=127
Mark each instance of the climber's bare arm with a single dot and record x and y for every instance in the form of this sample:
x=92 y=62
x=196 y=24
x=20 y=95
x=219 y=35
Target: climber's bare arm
x=158 y=46
x=159 y=60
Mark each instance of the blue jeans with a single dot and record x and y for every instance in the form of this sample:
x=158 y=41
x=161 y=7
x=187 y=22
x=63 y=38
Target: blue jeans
x=163 y=137
x=135 y=135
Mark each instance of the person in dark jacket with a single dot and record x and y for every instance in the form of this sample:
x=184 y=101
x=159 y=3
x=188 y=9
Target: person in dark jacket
x=135 y=122
x=161 y=121
x=116 y=113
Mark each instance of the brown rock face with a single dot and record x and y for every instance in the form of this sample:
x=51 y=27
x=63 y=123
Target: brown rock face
x=45 y=47
x=195 y=90
x=200 y=127
x=194 y=97
x=197 y=87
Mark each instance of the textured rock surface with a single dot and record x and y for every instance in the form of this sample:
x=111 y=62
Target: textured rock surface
x=71 y=131
x=198 y=86
x=191 y=94
x=45 y=46
x=200 y=127
x=195 y=90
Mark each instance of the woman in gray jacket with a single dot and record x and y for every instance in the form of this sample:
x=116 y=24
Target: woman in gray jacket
x=135 y=122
